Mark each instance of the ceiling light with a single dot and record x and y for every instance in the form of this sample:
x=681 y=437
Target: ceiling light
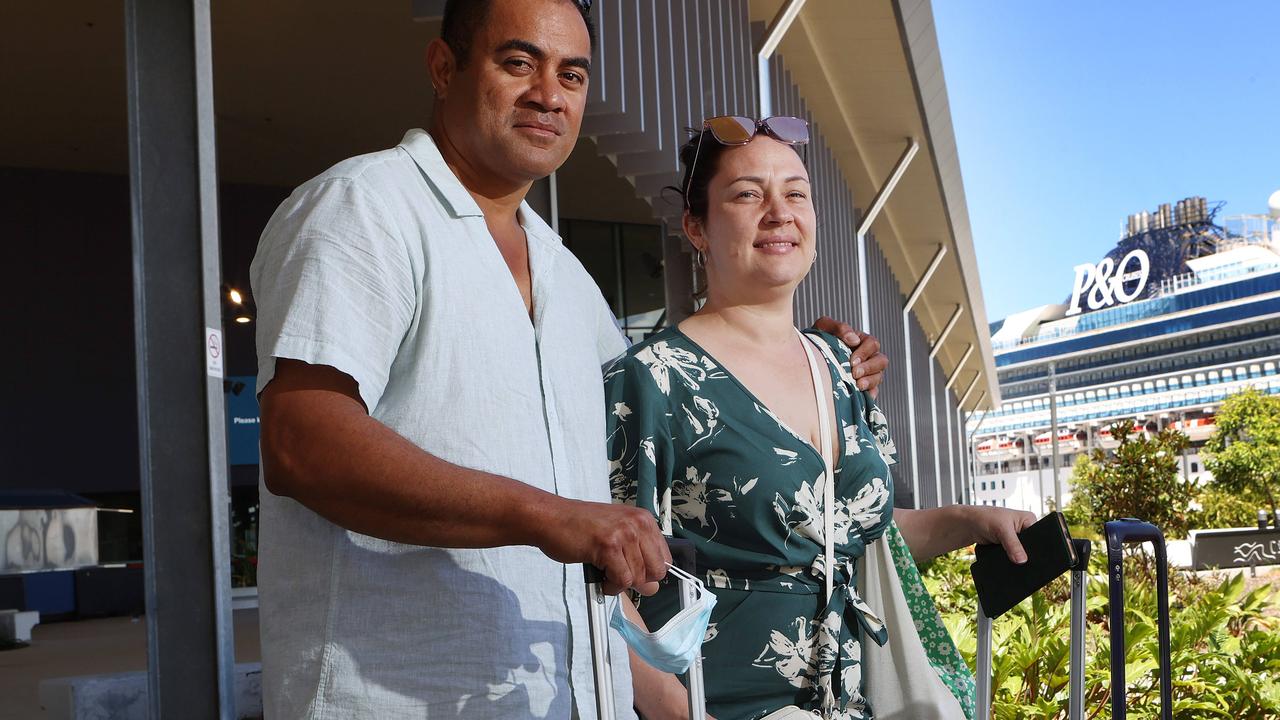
x=242 y=319
x=236 y=298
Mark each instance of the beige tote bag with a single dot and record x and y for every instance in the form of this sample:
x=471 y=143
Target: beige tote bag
x=898 y=678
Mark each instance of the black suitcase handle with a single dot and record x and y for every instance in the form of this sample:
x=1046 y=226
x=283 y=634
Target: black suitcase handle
x=683 y=556
x=1120 y=533
x=1084 y=549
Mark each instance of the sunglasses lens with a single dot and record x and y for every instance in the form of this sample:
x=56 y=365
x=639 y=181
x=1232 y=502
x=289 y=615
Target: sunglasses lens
x=732 y=130
x=788 y=129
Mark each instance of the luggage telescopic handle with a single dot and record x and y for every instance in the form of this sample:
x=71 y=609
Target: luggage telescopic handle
x=1084 y=549
x=1079 y=594
x=1079 y=586
x=1120 y=533
x=683 y=556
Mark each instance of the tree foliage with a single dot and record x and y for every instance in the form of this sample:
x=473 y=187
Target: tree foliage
x=1140 y=480
x=1244 y=452
x=1220 y=508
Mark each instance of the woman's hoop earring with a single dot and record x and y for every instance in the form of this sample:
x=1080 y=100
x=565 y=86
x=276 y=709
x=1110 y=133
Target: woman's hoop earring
x=814 y=261
x=699 y=259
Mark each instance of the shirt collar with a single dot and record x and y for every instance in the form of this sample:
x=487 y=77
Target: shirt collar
x=534 y=226
x=422 y=148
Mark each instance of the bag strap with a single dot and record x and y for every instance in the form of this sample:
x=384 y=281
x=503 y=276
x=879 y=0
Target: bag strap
x=829 y=481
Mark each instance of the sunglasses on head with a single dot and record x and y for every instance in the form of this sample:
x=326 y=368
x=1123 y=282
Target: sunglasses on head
x=738 y=130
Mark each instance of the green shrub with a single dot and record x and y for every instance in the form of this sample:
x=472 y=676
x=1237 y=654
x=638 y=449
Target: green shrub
x=1139 y=479
x=1222 y=508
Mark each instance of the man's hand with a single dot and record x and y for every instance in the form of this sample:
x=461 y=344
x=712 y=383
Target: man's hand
x=1000 y=526
x=622 y=540
x=868 y=363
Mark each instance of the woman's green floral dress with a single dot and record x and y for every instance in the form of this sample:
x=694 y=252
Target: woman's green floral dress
x=691 y=444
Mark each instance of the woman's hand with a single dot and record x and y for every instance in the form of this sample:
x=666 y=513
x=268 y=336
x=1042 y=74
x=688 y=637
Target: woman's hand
x=938 y=531
x=1000 y=526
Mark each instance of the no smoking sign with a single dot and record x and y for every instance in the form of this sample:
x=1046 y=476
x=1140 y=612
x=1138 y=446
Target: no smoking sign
x=213 y=352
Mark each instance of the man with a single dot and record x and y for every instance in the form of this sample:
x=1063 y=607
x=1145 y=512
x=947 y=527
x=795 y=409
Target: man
x=432 y=408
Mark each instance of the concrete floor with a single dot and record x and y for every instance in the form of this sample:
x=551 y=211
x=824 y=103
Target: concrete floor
x=90 y=647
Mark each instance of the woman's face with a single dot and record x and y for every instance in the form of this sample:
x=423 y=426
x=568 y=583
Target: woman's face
x=758 y=234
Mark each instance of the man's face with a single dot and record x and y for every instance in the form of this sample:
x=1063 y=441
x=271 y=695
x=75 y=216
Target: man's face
x=515 y=109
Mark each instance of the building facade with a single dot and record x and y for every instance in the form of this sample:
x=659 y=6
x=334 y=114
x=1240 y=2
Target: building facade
x=145 y=145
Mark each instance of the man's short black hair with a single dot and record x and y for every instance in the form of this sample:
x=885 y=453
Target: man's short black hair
x=463 y=18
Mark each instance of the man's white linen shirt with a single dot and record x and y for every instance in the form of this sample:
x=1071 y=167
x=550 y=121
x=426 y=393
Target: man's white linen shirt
x=383 y=268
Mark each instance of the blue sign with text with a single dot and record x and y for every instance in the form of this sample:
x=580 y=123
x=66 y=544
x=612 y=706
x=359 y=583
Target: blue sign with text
x=242 y=419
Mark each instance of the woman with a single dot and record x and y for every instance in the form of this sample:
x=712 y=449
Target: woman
x=715 y=429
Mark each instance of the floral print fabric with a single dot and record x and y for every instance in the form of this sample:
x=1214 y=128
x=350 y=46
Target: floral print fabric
x=691 y=444
x=938 y=645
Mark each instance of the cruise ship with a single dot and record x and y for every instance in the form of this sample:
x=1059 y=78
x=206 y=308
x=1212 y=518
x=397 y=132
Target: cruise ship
x=1183 y=312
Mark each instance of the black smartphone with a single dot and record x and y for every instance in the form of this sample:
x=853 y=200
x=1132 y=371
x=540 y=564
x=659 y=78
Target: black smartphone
x=1001 y=583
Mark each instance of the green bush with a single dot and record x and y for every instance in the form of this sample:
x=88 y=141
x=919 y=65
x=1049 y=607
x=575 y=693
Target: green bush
x=1244 y=452
x=1222 y=508
x=1225 y=644
x=1138 y=479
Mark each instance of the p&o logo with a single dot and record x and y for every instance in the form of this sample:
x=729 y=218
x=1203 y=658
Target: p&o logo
x=1103 y=285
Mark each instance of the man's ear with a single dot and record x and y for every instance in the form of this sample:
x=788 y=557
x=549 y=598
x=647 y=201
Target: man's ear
x=441 y=64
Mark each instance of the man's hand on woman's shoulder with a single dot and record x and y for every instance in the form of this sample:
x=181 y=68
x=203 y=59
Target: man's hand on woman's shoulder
x=868 y=363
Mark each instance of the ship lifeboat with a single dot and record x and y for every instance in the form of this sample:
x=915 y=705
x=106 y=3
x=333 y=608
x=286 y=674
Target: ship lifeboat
x=997 y=449
x=1108 y=442
x=1068 y=442
x=1105 y=439
x=1197 y=429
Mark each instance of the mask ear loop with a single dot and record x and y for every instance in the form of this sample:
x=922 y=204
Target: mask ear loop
x=682 y=575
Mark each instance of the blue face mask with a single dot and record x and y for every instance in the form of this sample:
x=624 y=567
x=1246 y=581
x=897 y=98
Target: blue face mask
x=672 y=647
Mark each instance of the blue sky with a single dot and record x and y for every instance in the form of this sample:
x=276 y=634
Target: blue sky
x=1071 y=115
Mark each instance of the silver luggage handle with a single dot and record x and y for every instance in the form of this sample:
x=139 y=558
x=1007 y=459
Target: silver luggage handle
x=683 y=556
x=1079 y=587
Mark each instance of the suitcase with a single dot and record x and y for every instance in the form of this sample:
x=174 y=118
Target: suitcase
x=1119 y=533
x=683 y=557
